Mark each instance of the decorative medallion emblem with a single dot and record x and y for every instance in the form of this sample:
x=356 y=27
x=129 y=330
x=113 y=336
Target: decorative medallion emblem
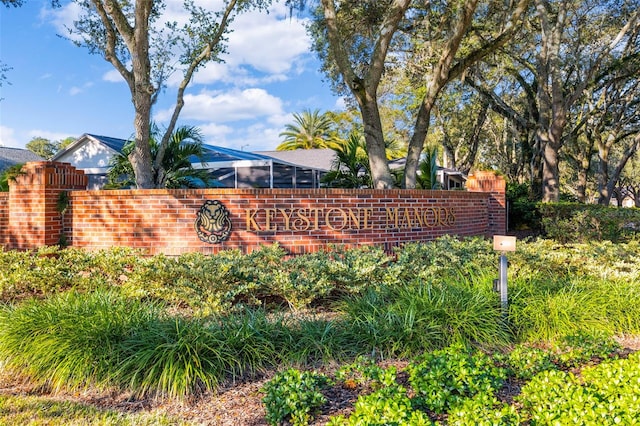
x=212 y=222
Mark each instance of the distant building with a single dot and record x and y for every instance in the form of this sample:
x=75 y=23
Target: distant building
x=231 y=168
x=12 y=156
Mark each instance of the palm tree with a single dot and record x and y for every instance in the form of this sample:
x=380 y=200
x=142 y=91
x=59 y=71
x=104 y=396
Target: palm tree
x=351 y=166
x=184 y=147
x=8 y=174
x=427 y=178
x=310 y=130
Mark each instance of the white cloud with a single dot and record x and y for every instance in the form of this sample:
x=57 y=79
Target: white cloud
x=113 y=76
x=272 y=44
x=213 y=133
x=225 y=107
x=257 y=137
x=8 y=139
x=262 y=48
x=75 y=90
x=266 y=42
x=62 y=18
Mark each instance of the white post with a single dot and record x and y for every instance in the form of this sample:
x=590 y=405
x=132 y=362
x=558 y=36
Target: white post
x=504 y=300
x=503 y=244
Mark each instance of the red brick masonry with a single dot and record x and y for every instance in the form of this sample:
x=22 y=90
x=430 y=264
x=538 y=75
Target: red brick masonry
x=300 y=220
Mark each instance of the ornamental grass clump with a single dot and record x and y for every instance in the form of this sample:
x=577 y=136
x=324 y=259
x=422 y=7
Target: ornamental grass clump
x=71 y=340
x=406 y=320
x=104 y=339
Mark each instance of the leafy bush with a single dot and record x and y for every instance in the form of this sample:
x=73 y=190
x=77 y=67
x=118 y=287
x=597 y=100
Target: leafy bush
x=354 y=270
x=387 y=406
x=49 y=270
x=299 y=280
x=293 y=396
x=444 y=258
x=581 y=348
x=574 y=222
x=205 y=284
x=606 y=395
x=523 y=209
x=483 y=410
x=443 y=378
x=364 y=372
x=525 y=361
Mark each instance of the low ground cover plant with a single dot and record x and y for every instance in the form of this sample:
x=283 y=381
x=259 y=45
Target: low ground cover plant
x=461 y=386
x=177 y=327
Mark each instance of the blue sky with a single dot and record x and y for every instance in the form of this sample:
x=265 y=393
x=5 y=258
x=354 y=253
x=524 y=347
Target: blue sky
x=56 y=89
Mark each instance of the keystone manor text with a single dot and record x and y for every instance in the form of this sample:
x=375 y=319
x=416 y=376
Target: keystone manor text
x=337 y=219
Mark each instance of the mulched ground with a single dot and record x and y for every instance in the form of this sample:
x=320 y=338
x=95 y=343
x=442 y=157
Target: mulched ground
x=237 y=404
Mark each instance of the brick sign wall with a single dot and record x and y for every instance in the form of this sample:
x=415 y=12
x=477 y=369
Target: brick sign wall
x=4 y=214
x=210 y=220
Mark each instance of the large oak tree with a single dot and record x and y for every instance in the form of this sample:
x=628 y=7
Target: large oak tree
x=142 y=45
x=436 y=41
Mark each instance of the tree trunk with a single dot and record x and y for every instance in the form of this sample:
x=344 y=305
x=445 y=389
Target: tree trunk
x=374 y=138
x=583 y=172
x=609 y=184
x=417 y=140
x=550 y=174
x=603 y=174
x=142 y=95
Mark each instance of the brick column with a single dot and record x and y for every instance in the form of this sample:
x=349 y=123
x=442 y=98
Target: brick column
x=495 y=185
x=34 y=216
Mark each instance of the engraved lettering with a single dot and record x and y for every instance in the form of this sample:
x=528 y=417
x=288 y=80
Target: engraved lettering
x=301 y=222
x=269 y=216
x=391 y=218
x=250 y=215
x=328 y=222
x=287 y=218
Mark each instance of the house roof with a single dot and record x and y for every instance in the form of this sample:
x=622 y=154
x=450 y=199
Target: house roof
x=321 y=159
x=11 y=156
x=114 y=144
x=216 y=156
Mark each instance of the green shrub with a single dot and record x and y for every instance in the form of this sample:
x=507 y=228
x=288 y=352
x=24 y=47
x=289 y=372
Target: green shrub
x=483 y=410
x=607 y=394
x=444 y=258
x=523 y=209
x=574 y=222
x=581 y=348
x=320 y=341
x=293 y=396
x=386 y=406
x=525 y=361
x=365 y=373
x=443 y=378
x=354 y=270
x=299 y=280
x=618 y=383
x=50 y=270
x=546 y=308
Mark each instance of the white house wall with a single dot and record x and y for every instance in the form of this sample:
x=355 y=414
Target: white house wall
x=91 y=156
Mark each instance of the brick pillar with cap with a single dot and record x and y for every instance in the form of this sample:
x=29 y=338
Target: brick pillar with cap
x=36 y=200
x=495 y=185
